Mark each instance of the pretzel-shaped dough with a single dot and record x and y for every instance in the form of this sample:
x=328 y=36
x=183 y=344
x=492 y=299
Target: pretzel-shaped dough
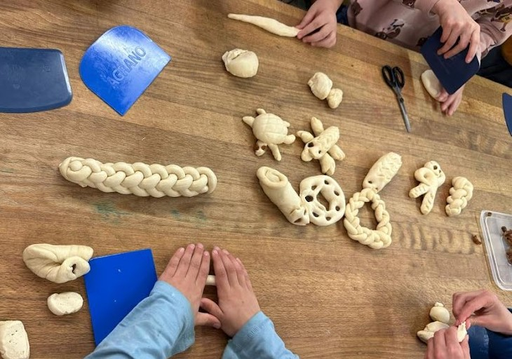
x=139 y=178
x=431 y=177
x=460 y=194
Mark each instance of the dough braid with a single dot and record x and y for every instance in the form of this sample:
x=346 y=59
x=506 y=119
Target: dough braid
x=139 y=178
x=460 y=194
x=376 y=239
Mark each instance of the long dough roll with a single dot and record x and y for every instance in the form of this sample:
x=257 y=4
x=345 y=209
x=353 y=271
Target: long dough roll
x=268 y=24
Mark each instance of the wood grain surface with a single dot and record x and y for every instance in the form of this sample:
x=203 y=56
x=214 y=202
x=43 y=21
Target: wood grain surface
x=329 y=296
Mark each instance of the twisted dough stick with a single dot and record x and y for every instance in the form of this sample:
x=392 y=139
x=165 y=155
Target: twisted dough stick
x=376 y=239
x=139 y=178
x=460 y=194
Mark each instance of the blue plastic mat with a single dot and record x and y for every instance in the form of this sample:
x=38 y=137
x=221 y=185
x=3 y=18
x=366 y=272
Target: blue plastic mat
x=120 y=65
x=115 y=285
x=507 y=110
x=33 y=80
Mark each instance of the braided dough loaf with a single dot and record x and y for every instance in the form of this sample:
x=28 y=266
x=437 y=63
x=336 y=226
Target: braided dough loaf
x=139 y=178
x=460 y=194
x=431 y=177
x=58 y=263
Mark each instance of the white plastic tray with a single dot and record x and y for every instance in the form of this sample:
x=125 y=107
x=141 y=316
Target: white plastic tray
x=496 y=246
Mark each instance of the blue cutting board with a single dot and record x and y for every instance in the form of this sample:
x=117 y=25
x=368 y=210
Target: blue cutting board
x=115 y=285
x=120 y=65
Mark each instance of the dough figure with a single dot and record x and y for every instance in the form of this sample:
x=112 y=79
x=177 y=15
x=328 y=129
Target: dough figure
x=431 y=177
x=322 y=147
x=460 y=194
x=65 y=303
x=268 y=24
x=321 y=86
x=430 y=330
x=306 y=207
x=14 y=340
x=58 y=263
x=379 y=175
x=270 y=130
x=241 y=63
x=431 y=83
x=440 y=313
x=139 y=178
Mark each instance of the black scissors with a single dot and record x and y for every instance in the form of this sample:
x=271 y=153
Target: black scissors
x=395 y=79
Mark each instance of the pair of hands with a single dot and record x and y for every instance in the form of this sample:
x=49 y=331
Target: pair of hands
x=318 y=28
x=481 y=308
x=187 y=271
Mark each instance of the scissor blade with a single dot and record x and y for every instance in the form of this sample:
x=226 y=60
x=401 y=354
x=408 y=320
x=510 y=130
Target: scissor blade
x=404 y=114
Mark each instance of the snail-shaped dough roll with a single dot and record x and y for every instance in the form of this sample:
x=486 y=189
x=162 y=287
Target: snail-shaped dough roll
x=58 y=263
x=139 y=178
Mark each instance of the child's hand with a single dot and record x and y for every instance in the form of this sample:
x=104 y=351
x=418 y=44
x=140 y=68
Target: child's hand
x=318 y=27
x=456 y=23
x=237 y=301
x=444 y=345
x=450 y=103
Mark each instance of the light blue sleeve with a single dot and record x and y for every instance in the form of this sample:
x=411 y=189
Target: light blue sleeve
x=158 y=327
x=257 y=339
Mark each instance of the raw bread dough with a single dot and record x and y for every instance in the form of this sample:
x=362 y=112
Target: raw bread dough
x=383 y=171
x=306 y=207
x=279 y=190
x=322 y=147
x=431 y=177
x=461 y=332
x=440 y=313
x=270 y=131
x=211 y=280
x=139 y=178
x=311 y=188
x=431 y=83
x=460 y=194
x=65 y=303
x=268 y=24
x=430 y=330
x=14 y=340
x=58 y=263
x=321 y=86
x=378 y=238
x=241 y=63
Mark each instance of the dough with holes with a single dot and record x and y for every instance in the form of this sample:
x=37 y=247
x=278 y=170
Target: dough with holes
x=311 y=188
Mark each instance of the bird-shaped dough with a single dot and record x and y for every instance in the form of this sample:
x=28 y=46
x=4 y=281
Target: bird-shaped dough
x=431 y=177
x=323 y=147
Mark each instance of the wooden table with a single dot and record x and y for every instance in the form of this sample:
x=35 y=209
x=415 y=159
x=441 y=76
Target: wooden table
x=328 y=296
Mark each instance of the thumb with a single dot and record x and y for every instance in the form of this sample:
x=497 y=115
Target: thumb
x=211 y=307
x=207 y=320
x=306 y=19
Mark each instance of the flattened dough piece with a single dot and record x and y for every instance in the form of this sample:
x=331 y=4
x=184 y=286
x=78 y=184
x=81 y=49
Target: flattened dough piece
x=266 y=23
x=431 y=84
x=14 y=340
x=65 y=303
x=383 y=171
x=241 y=63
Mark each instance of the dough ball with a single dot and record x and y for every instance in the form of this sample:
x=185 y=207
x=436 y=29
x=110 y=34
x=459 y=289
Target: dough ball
x=334 y=98
x=320 y=85
x=431 y=83
x=65 y=303
x=241 y=63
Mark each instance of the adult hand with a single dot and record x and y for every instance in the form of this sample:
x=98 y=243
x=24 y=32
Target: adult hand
x=318 y=27
x=237 y=301
x=456 y=22
x=444 y=345
x=482 y=308
x=187 y=271
x=450 y=103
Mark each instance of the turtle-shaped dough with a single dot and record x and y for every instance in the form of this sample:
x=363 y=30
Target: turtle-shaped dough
x=270 y=130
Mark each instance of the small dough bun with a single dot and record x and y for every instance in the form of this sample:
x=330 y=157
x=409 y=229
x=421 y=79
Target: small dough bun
x=431 y=83
x=241 y=63
x=65 y=303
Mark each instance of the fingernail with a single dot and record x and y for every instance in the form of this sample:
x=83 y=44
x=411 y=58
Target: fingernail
x=216 y=248
x=199 y=245
x=215 y=252
x=225 y=251
x=238 y=259
x=181 y=250
x=206 y=254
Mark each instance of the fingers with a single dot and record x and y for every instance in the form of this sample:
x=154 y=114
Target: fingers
x=465 y=347
x=185 y=260
x=472 y=306
x=318 y=36
x=429 y=354
x=195 y=262
x=443 y=96
x=463 y=43
x=230 y=268
x=310 y=15
x=459 y=300
x=246 y=275
x=310 y=28
x=439 y=343
x=328 y=42
x=171 y=267
x=204 y=269
x=221 y=275
x=452 y=39
x=207 y=320
x=211 y=307
x=473 y=47
x=454 y=105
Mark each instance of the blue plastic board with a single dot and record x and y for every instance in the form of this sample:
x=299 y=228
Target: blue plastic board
x=115 y=285
x=453 y=72
x=507 y=110
x=120 y=65
x=33 y=80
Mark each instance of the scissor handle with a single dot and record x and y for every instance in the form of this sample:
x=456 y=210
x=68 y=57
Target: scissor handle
x=399 y=76
x=387 y=74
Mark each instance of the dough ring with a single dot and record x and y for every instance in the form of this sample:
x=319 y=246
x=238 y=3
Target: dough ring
x=311 y=187
x=374 y=238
